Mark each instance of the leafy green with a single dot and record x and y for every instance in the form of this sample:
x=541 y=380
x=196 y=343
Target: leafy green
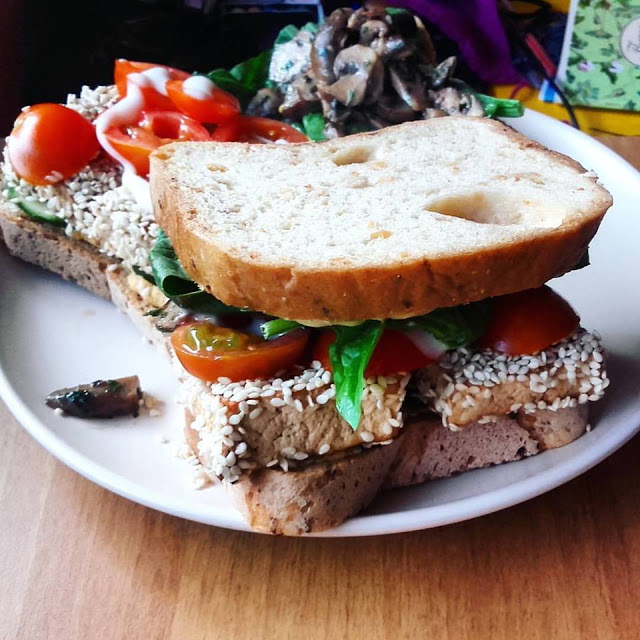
x=349 y=355
x=278 y=327
x=245 y=79
x=500 y=107
x=248 y=77
x=172 y=280
x=453 y=326
x=313 y=126
x=36 y=211
x=393 y=11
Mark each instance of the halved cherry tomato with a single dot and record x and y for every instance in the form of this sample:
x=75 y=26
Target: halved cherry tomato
x=394 y=353
x=50 y=143
x=253 y=129
x=200 y=99
x=209 y=352
x=153 y=98
x=528 y=322
x=155 y=128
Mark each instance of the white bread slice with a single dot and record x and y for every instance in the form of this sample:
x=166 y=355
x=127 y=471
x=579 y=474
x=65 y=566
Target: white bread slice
x=325 y=493
x=389 y=224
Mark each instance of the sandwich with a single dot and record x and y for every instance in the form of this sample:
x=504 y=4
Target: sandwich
x=345 y=317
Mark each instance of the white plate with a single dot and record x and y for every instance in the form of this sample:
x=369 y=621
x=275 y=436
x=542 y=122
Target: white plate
x=55 y=334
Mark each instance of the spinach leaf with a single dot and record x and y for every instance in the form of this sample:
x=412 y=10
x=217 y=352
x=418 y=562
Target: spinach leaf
x=349 y=356
x=248 y=77
x=36 y=211
x=278 y=327
x=313 y=126
x=172 y=280
x=454 y=326
x=245 y=79
x=223 y=79
x=500 y=107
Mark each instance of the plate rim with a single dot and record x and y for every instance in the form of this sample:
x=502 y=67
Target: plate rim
x=360 y=525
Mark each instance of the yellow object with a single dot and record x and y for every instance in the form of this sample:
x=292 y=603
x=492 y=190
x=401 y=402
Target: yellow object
x=592 y=121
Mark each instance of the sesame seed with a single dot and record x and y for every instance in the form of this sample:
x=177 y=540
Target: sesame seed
x=367 y=436
x=324 y=449
x=277 y=402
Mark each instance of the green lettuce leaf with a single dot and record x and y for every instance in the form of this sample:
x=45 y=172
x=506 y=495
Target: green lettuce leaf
x=172 y=280
x=349 y=356
x=313 y=127
x=453 y=326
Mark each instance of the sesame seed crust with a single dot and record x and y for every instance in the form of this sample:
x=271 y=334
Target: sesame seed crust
x=94 y=203
x=468 y=386
x=286 y=422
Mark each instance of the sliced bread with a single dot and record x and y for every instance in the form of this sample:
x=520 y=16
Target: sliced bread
x=389 y=224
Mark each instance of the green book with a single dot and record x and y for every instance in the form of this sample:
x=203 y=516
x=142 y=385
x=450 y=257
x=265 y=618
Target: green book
x=600 y=63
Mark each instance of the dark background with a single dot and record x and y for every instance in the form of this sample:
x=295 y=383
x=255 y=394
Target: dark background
x=51 y=48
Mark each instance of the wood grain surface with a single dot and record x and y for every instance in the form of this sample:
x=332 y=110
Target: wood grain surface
x=77 y=562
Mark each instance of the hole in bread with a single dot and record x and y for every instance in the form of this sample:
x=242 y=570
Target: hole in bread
x=354 y=155
x=498 y=208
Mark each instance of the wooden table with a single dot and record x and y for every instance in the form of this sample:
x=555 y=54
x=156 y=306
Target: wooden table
x=78 y=562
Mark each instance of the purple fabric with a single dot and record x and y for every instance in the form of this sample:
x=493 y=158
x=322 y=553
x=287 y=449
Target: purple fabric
x=475 y=26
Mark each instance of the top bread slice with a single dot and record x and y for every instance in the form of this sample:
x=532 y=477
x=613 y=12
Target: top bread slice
x=389 y=224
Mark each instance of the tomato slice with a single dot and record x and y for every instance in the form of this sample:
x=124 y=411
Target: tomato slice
x=50 y=142
x=200 y=99
x=528 y=322
x=153 y=98
x=209 y=352
x=155 y=128
x=257 y=130
x=394 y=353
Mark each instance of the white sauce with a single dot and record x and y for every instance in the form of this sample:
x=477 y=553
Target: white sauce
x=125 y=111
x=138 y=187
x=198 y=87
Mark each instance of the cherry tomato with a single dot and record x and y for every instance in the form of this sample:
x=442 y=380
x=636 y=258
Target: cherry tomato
x=253 y=129
x=528 y=322
x=394 y=353
x=209 y=352
x=200 y=99
x=155 y=128
x=50 y=143
x=153 y=98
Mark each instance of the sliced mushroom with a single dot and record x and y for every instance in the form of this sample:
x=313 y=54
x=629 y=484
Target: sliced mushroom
x=329 y=40
x=393 y=47
x=291 y=59
x=99 y=399
x=299 y=98
x=439 y=75
x=265 y=103
x=433 y=113
x=425 y=49
x=363 y=15
x=360 y=74
x=454 y=101
x=394 y=110
x=409 y=85
x=373 y=30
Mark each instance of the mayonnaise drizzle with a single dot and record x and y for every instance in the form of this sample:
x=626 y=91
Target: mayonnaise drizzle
x=198 y=87
x=125 y=112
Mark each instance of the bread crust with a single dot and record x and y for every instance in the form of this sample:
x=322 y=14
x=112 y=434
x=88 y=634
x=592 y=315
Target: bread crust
x=48 y=247
x=399 y=290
